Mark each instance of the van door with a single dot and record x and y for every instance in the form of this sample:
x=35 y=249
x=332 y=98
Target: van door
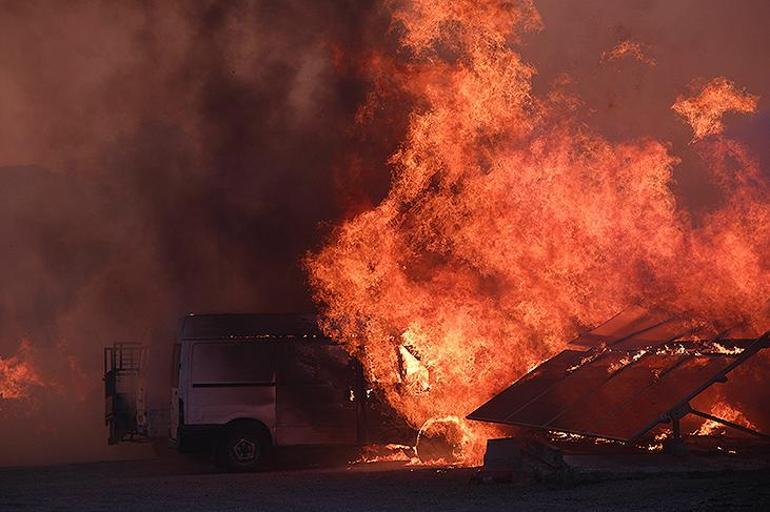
x=231 y=380
x=319 y=392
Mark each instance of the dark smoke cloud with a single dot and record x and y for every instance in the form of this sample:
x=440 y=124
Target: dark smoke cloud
x=158 y=158
x=163 y=157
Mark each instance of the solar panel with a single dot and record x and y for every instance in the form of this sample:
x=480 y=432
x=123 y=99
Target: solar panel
x=620 y=389
x=528 y=387
x=564 y=393
x=656 y=336
x=628 y=322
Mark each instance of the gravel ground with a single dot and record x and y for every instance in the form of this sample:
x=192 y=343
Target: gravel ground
x=170 y=485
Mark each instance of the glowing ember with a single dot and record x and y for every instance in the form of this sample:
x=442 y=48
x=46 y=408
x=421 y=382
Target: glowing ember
x=622 y=363
x=718 y=348
x=704 y=111
x=387 y=453
x=17 y=375
x=510 y=225
x=657 y=442
x=655 y=445
x=726 y=412
x=676 y=349
x=587 y=360
x=630 y=49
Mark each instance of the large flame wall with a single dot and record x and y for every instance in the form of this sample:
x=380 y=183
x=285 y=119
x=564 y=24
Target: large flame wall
x=511 y=223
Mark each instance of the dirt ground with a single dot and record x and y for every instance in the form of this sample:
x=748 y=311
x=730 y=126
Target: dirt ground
x=171 y=484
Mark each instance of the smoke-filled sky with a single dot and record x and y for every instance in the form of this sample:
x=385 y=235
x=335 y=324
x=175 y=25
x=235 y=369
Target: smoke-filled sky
x=163 y=157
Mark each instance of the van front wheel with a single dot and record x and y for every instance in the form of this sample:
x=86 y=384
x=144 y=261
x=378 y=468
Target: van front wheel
x=243 y=449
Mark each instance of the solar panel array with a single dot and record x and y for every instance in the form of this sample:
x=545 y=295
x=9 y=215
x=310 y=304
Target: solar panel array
x=619 y=388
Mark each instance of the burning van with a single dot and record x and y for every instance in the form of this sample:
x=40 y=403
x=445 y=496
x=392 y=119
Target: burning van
x=243 y=384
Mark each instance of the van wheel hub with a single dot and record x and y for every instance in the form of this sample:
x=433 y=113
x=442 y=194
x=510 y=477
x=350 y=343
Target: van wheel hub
x=244 y=450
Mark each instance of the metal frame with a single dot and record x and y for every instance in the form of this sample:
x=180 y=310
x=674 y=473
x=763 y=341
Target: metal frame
x=683 y=408
x=123 y=363
x=124 y=357
x=728 y=423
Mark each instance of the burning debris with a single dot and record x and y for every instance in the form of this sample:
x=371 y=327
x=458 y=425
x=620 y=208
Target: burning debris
x=391 y=452
x=413 y=371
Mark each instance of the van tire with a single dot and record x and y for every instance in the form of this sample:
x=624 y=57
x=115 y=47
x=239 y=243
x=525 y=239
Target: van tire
x=243 y=448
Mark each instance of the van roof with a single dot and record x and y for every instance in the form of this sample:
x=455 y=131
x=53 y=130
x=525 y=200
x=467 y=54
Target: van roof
x=256 y=326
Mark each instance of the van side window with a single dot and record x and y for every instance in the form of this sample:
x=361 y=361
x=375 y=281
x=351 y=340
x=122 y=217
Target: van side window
x=310 y=362
x=242 y=363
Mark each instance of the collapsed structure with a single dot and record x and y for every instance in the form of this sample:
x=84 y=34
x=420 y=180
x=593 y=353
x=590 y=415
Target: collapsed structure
x=621 y=380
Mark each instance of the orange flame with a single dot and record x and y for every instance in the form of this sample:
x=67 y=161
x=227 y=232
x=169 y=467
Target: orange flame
x=627 y=48
x=17 y=375
x=726 y=412
x=704 y=111
x=510 y=224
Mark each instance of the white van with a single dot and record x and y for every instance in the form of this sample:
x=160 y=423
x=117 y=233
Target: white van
x=244 y=384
